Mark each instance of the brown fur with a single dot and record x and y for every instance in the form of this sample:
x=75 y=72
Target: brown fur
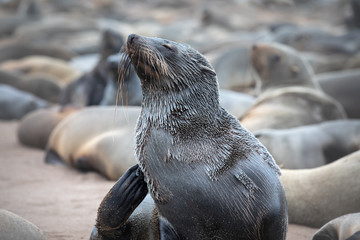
x=35 y=128
x=96 y=138
x=291 y=107
x=316 y=196
x=280 y=66
x=56 y=68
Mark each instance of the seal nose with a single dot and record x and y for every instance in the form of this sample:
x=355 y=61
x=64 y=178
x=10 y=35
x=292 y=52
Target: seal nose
x=254 y=47
x=131 y=38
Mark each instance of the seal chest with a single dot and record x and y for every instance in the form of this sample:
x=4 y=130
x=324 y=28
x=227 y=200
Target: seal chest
x=209 y=177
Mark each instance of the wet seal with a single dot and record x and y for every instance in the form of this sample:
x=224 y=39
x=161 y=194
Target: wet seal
x=208 y=176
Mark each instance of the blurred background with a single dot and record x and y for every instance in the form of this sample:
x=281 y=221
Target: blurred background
x=58 y=57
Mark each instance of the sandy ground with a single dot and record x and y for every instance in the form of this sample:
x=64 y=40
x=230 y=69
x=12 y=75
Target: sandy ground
x=61 y=201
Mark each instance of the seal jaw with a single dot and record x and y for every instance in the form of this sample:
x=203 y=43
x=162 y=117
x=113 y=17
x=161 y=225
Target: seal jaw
x=146 y=58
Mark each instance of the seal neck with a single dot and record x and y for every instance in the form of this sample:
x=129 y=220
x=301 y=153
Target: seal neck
x=174 y=110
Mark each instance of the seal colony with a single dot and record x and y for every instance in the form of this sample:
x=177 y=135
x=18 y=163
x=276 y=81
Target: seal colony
x=208 y=176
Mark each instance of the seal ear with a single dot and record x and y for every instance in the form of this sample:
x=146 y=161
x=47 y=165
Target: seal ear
x=206 y=69
x=294 y=70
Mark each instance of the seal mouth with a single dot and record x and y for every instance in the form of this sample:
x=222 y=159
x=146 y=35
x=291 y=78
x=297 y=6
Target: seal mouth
x=146 y=59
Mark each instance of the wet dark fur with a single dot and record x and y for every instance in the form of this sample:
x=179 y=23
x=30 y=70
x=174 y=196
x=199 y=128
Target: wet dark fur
x=209 y=177
x=89 y=89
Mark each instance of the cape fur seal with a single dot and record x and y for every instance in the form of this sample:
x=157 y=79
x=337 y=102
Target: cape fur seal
x=280 y=66
x=334 y=139
x=56 y=68
x=14 y=227
x=236 y=103
x=344 y=227
x=291 y=107
x=41 y=86
x=18 y=50
x=289 y=95
x=233 y=69
x=344 y=87
x=14 y=103
x=311 y=39
x=35 y=127
x=207 y=175
x=96 y=139
x=100 y=86
x=316 y=196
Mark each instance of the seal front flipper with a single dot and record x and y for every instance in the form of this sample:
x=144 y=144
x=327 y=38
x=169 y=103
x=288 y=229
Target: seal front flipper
x=119 y=203
x=167 y=231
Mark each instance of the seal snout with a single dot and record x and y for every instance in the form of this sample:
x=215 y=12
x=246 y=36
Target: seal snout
x=131 y=38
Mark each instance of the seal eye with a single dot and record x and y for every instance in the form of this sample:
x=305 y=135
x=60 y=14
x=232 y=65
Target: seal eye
x=276 y=58
x=168 y=46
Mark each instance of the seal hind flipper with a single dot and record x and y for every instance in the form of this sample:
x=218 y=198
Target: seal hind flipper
x=82 y=163
x=119 y=203
x=52 y=157
x=167 y=231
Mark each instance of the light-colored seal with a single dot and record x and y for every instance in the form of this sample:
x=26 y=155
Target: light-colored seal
x=27 y=12
x=312 y=39
x=19 y=50
x=14 y=103
x=56 y=68
x=291 y=107
x=236 y=103
x=35 y=127
x=280 y=66
x=207 y=175
x=344 y=87
x=14 y=227
x=110 y=153
x=233 y=69
x=344 y=227
x=333 y=140
x=41 y=86
x=96 y=138
x=316 y=196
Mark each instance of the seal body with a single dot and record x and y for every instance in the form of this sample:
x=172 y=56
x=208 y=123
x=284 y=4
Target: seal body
x=233 y=69
x=35 y=127
x=334 y=139
x=96 y=139
x=344 y=227
x=89 y=88
x=40 y=85
x=291 y=107
x=343 y=86
x=208 y=175
x=235 y=103
x=14 y=103
x=15 y=227
x=310 y=192
x=100 y=86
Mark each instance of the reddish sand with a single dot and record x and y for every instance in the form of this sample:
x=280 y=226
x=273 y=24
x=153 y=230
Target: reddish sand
x=61 y=201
